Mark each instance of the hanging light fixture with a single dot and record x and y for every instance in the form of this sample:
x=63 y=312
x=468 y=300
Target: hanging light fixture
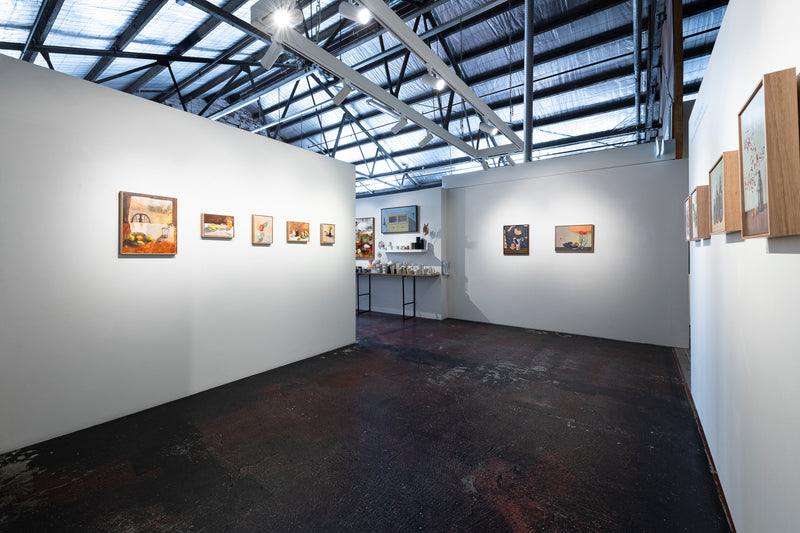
x=433 y=81
x=271 y=55
x=484 y=164
x=399 y=126
x=353 y=12
x=275 y=14
x=487 y=128
x=342 y=94
x=425 y=140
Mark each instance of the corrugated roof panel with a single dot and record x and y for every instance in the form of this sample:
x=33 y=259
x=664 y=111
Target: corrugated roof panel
x=92 y=24
x=217 y=41
x=120 y=65
x=19 y=16
x=169 y=27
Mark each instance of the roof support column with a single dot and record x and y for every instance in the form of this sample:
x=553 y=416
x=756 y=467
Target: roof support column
x=637 y=65
x=528 y=133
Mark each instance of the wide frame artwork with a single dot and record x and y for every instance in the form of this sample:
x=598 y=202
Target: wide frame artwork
x=216 y=226
x=575 y=238
x=701 y=216
x=687 y=214
x=327 y=233
x=516 y=239
x=297 y=232
x=365 y=238
x=148 y=224
x=769 y=136
x=262 y=229
x=400 y=219
x=723 y=186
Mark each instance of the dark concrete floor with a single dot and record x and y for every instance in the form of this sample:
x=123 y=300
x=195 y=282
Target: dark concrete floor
x=421 y=426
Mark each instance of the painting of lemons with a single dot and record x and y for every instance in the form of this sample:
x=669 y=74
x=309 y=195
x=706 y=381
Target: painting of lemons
x=262 y=229
x=297 y=232
x=216 y=226
x=515 y=240
x=148 y=224
x=578 y=238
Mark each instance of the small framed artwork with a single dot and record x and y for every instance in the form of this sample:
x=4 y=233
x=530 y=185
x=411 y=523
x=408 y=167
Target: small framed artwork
x=578 y=238
x=327 y=233
x=148 y=224
x=723 y=183
x=216 y=226
x=400 y=219
x=297 y=232
x=515 y=240
x=365 y=237
x=687 y=214
x=769 y=158
x=262 y=229
x=701 y=218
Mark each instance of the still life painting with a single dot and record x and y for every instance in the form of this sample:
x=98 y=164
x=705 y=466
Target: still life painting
x=365 y=237
x=216 y=226
x=297 y=232
x=400 y=219
x=327 y=233
x=716 y=180
x=577 y=238
x=262 y=229
x=515 y=240
x=148 y=224
x=753 y=144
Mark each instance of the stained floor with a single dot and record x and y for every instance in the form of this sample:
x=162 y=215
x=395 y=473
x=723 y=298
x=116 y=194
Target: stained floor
x=420 y=426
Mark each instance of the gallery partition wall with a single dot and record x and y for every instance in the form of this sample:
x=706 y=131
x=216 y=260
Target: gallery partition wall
x=87 y=334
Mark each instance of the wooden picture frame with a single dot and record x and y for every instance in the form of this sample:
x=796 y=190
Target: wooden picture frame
x=516 y=239
x=723 y=189
x=400 y=219
x=701 y=216
x=216 y=226
x=687 y=215
x=769 y=137
x=148 y=224
x=576 y=238
x=327 y=233
x=262 y=229
x=365 y=238
x=297 y=232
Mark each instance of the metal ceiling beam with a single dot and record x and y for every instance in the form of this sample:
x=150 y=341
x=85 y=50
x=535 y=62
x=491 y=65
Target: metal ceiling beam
x=144 y=16
x=45 y=17
x=184 y=46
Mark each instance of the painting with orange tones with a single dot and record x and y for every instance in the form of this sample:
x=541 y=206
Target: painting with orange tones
x=262 y=229
x=327 y=233
x=297 y=232
x=216 y=226
x=579 y=238
x=148 y=224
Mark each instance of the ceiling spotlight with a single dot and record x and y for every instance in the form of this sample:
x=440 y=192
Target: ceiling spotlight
x=425 y=140
x=355 y=13
x=271 y=55
x=510 y=161
x=283 y=18
x=432 y=81
x=342 y=94
x=484 y=164
x=399 y=126
x=271 y=15
x=487 y=128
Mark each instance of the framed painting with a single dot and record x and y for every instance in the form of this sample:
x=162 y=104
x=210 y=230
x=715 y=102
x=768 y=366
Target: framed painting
x=723 y=186
x=701 y=218
x=365 y=238
x=148 y=224
x=577 y=238
x=297 y=232
x=687 y=217
x=769 y=165
x=515 y=240
x=400 y=219
x=262 y=229
x=327 y=233
x=216 y=226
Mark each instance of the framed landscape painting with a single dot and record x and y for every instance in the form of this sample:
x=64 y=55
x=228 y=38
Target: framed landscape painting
x=216 y=226
x=515 y=240
x=262 y=229
x=327 y=233
x=365 y=237
x=400 y=219
x=723 y=182
x=297 y=232
x=148 y=224
x=578 y=238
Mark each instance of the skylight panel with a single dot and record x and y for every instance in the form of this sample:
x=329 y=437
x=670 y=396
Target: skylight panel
x=16 y=20
x=92 y=24
x=172 y=24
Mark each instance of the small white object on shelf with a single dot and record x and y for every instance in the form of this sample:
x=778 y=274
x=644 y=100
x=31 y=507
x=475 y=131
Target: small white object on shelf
x=406 y=251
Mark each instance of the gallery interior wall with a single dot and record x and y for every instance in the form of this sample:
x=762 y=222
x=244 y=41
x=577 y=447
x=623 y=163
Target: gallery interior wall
x=386 y=292
x=744 y=294
x=87 y=336
x=634 y=287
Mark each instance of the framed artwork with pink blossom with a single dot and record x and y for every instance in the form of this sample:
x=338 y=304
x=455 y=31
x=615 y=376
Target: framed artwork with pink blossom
x=577 y=238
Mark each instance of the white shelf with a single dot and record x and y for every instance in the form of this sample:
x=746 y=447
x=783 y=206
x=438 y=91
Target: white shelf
x=405 y=251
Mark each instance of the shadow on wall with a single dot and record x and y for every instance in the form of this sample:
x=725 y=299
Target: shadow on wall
x=462 y=305
x=784 y=245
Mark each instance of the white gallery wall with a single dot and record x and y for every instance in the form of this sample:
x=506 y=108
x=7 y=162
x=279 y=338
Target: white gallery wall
x=87 y=336
x=744 y=294
x=634 y=287
x=387 y=292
